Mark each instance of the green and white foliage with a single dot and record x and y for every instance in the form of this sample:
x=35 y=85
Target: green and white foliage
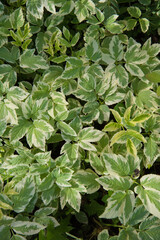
x=79 y=119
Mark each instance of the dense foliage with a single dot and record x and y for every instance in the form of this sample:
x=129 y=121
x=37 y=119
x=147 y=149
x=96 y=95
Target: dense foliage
x=79 y=119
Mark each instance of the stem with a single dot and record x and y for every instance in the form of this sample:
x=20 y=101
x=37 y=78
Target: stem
x=114 y=225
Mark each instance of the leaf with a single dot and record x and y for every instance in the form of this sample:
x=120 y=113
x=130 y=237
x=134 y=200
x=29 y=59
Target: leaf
x=17 y=93
x=50 y=6
x=128 y=234
x=117 y=136
x=103 y=235
x=113 y=26
x=88 y=179
x=134 y=11
x=27 y=228
x=115 y=183
x=75 y=39
x=127 y=114
x=138 y=216
x=144 y=24
x=141 y=118
x=119 y=204
x=116 y=164
x=153 y=76
x=116 y=116
x=116 y=48
x=47 y=182
x=34 y=62
x=5 y=206
x=122 y=75
x=43 y=126
x=36 y=137
x=112 y=126
x=18 y=131
x=17 y=19
x=26 y=192
x=35 y=8
x=150 y=151
x=92 y=51
x=136 y=135
x=149 y=193
x=131 y=149
x=66 y=128
x=90 y=134
x=87 y=145
x=72 y=196
x=114 y=98
x=130 y=24
x=134 y=69
x=97 y=163
x=5 y=232
x=2 y=127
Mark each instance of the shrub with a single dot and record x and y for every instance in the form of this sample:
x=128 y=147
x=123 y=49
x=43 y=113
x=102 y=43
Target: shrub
x=79 y=119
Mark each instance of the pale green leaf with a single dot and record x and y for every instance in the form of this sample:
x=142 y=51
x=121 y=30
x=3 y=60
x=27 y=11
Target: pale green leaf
x=112 y=126
x=116 y=48
x=116 y=115
x=115 y=182
x=120 y=204
x=103 y=235
x=66 y=128
x=134 y=11
x=35 y=8
x=27 y=228
x=26 y=189
x=72 y=196
x=131 y=149
x=153 y=76
x=149 y=193
x=144 y=23
x=118 y=136
x=18 y=131
x=29 y=60
x=17 y=19
x=150 y=151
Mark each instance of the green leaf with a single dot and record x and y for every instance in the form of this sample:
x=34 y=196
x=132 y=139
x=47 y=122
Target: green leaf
x=43 y=126
x=88 y=179
x=47 y=182
x=116 y=48
x=5 y=233
x=35 y=8
x=119 y=204
x=141 y=118
x=149 y=193
x=112 y=126
x=116 y=116
x=50 y=6
x=145 y=2
x=75 y=39
x=117 y=136
x=3 y=126
x=18 y=237
x=153 y=76
x=66 y=128
x=17 y=93
x=158 y=91
x=90 y=134
x=134 y=69
x=36 y=137
x=127 y=114
x=17 y=19
x=5 y=206
x=134 y=11
x=121 y=75
x=27 y=228
x=115 y=183
x=92 y=51
x=26 y=189
x=34 y=62
x=144 y=24
x=131 y=149
x=103 y=235
x=136 y=135
x=139 y=214
x=128 y=234
x=50 y=194
x=96 y=163
x=113 y=26
x=18 y=131
x=130 y=24
x=72 y=196
x=116 y=164
x=150 y=151
x=66 y=33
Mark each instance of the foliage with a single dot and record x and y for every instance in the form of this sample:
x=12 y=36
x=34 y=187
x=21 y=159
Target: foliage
x=79 y=119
